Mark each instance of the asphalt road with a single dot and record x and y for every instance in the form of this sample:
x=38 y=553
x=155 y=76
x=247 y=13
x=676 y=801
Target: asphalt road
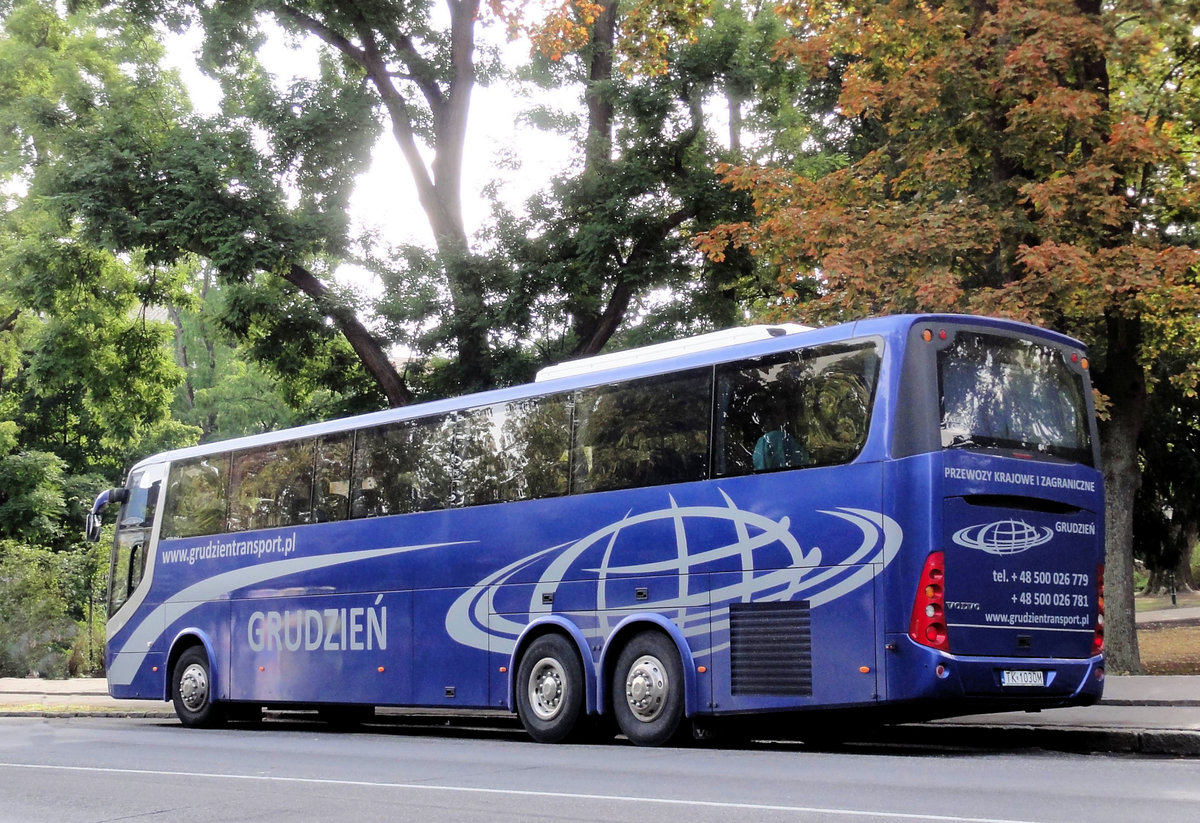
x=105 y=769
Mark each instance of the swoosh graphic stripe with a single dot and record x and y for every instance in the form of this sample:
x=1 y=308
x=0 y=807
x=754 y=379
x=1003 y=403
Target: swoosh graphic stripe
x=133 y=652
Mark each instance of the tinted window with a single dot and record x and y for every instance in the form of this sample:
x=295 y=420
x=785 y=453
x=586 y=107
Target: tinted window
x=1000 y=392
x=195 y=501
x=272 y=486
x=331 y=486
x=514 y=451
x=133 y=535
x=642 y=433
x=403 y=467
x=804 y=408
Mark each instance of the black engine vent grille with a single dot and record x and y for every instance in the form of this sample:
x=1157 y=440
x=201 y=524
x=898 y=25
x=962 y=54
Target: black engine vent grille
x=771 y=647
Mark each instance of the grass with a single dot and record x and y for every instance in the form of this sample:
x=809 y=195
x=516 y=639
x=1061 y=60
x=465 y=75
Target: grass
x=1163 y=601
x=1170 y=649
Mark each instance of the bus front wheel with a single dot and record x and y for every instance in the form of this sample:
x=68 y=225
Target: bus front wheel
x=550 y=689
x=191 y=690
x=647 y=690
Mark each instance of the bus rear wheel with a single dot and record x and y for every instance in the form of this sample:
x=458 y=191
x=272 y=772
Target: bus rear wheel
x=191 y=690
x=647 y=690
x=550 y=689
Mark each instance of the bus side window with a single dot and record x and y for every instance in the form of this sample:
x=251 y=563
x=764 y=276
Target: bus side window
x=331 y=486
x=272 y=486
x=758 y=417
x=837 y=389
x=197 y=496
x=792 y=410
x=643 y=433
x=514 y=451
x=537 y=434
x=403 y=467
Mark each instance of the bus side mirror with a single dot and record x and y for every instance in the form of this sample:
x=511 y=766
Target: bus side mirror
x=91 y=529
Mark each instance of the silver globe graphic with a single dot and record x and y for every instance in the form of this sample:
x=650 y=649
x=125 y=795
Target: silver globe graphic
x=1003 y=537
x=681 y=545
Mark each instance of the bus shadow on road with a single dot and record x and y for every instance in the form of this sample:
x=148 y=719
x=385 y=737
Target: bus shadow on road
x=913 y=739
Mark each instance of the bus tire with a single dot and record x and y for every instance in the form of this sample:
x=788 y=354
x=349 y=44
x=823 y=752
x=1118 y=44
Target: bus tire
x=647 y=690
x=192 y=690
x=550 y=689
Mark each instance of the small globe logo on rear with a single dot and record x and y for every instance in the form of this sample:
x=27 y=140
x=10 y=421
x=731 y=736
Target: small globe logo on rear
x=1003 y=537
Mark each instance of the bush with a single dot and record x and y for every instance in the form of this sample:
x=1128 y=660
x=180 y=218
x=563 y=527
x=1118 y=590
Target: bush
x=36 y=633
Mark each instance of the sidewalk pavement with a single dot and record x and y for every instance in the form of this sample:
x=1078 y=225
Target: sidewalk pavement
x=1147 y=715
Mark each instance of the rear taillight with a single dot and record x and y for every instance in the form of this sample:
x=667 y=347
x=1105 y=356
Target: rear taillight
x=928 y=624
x=1098 y=634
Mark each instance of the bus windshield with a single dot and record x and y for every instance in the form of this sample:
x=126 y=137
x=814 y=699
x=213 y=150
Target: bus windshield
x=1006 y=393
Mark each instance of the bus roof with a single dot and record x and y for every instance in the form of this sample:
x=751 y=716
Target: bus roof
x=663 y=351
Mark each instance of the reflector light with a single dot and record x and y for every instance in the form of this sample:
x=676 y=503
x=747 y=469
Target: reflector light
x=927 y=625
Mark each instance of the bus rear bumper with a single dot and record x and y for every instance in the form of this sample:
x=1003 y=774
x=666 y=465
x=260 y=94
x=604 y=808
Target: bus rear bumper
x=1007 y=683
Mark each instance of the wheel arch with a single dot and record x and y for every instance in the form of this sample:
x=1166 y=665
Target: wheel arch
x=184 y=640
x=554 y=624
x=621 y=635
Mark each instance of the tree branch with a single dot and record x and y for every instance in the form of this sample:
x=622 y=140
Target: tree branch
x=362 y=341
x=322 y=32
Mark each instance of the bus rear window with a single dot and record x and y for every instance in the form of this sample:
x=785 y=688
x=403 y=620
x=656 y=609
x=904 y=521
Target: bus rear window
x=1019 y=395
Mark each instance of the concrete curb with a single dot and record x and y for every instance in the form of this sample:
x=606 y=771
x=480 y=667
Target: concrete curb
x=1076 y=740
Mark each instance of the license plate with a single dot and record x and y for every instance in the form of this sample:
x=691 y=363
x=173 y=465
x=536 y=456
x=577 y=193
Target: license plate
x=1022 y=678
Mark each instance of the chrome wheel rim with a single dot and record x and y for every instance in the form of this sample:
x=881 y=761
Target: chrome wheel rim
x=646 y=688
x=193 y=687
x=547 y=688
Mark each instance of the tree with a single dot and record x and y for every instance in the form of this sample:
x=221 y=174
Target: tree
x=604 y=256
x=104 y=139
x=1028 y=160
x=1166 y=524
x=410 y=67
x=246 y=370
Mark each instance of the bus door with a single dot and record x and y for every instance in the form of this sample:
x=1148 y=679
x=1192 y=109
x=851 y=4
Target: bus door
x=132 y=568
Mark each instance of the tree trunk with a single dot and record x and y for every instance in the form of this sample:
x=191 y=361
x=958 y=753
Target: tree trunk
x=181 y=356
x=1124 y=381
x=1185 y=581
x=439 y=181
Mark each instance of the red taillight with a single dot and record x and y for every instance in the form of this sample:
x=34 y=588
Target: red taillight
x=1098 y=635
x=928 y=624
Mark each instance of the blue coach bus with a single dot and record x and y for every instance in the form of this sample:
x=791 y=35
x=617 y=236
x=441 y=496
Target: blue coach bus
x=902 y=513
